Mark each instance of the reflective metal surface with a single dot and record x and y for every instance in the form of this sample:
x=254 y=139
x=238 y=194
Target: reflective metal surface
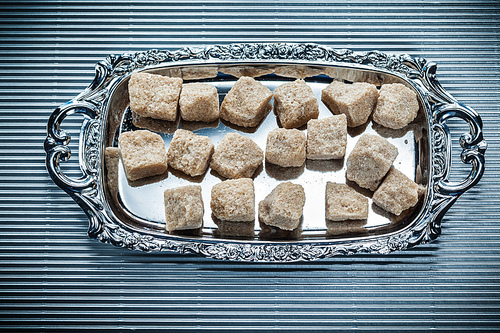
x=132 y=215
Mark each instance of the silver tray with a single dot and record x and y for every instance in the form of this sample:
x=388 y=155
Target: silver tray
x=130 y=215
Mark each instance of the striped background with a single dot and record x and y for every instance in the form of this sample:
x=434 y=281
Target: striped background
x=52 y=277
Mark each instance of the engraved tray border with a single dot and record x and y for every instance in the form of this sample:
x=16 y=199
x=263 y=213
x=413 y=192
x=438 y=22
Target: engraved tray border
x=439 y=106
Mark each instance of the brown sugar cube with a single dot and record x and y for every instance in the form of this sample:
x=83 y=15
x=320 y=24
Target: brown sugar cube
x=234 y=200
x=246 y=103
x=112 y=159
x=397 y=193
x=283 y=207
x=355 y=100
x=154 y=96
x=236 y=156
x=397 y=106
x=344 y=203
x=370 y=160
x=184 y=208
x=286 y=147
x=295 y=104
x=143 y=154
x=189 y=153
x=327 y=138
x=199 y=102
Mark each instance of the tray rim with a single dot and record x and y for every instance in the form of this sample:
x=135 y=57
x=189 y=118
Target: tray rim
x=439 y=106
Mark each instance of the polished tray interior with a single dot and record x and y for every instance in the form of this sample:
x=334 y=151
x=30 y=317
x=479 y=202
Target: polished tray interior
x=139 y=205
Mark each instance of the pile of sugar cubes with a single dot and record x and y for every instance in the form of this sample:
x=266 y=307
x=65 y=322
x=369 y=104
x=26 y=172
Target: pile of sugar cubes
x=237 y=157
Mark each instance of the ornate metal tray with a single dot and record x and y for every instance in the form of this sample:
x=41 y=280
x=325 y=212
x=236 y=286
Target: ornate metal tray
x=131 y=214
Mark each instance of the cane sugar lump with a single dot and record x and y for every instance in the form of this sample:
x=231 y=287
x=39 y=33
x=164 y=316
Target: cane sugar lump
x=234 y=200
x=246 y=103
x=370 y=160
x=344 y=203
x=355 y=100
x=190 y=153
x=283 y=207
x=286 y=147
x=199 y=102
x=397 y=193
x=237 y=156
x=327 y=138
x=183 y=208
x=143 y=154
x=154 y=96
x=112 y=159
x=397 y=106
x=295 y=104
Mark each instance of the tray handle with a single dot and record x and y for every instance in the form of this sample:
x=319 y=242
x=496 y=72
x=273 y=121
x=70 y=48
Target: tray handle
x=472 y=143
x=56 y=145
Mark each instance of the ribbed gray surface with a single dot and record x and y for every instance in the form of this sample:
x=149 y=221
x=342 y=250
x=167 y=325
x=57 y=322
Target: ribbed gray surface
x=54 y=278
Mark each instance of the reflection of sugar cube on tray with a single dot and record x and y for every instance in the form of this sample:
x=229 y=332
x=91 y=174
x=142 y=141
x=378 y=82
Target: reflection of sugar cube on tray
x=143 y=154
x=199 y=72
x=230 y=229
x=183 y=208
x=335 y=228
x=370 y=160
x=251 y=71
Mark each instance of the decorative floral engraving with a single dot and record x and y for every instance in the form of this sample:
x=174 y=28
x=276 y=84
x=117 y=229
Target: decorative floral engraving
x=92 y=139
x=118 y=65
x=104 y=227
x=440 y=160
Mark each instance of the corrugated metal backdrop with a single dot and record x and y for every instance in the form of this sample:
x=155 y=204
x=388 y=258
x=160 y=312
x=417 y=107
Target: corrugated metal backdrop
x=54 y=278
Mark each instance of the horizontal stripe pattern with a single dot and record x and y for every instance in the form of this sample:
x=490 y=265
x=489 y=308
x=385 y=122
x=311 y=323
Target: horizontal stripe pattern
x=54 y=278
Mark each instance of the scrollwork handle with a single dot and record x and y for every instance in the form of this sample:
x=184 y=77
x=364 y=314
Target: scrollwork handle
x=472 y=143
x=56 y=146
